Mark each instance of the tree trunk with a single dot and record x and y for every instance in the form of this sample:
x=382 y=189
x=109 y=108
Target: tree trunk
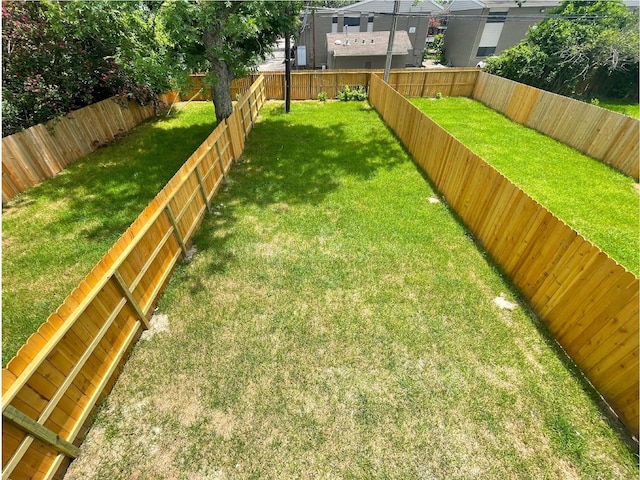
x=221 y=91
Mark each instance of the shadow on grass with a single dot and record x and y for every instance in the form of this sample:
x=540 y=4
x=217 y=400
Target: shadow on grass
x=116 y=182
x=286 y=162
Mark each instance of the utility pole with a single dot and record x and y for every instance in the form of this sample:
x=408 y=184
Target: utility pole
x=313 y=36
x=287 y=72
x=392 y=34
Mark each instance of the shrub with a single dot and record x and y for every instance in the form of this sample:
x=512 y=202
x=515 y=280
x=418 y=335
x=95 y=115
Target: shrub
x=357 y=94
x=322 y=96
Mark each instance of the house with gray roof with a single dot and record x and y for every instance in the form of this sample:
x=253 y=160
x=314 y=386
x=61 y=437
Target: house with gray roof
x=368 y=20
x=367 y=50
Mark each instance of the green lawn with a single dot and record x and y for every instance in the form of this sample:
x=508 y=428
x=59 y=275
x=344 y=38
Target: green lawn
x=597 y=201
x=624 y=107
x=53 y=234
x=336 y=322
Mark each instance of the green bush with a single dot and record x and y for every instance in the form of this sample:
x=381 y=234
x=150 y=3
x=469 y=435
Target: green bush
x=357 y=94
x=322 y=96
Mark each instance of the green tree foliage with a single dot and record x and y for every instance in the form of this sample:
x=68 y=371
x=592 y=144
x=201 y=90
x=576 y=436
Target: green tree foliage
x=224 y=39
x=584 y=49
x=61 y=56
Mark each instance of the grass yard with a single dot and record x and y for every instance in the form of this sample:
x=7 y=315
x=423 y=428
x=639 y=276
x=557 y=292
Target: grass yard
x=53 y=234
x=597 y=201
x=632 y=109
x=337 y=322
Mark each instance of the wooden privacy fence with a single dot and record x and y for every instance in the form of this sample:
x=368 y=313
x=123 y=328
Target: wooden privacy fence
x=608 y=136
x=51 y=387
x=588 y=302
x=306 y=85
x=42 y=151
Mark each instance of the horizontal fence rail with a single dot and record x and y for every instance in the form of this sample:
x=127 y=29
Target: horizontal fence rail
x=52 y=386
x=602 y=134
x=588 y=301
x=42 y=151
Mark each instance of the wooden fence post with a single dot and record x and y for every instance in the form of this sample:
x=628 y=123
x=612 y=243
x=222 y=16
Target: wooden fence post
x=233 y=130
x=201 y=184
x=40 y=432
x=224 y=173
x=176 y=230
x=132 y=301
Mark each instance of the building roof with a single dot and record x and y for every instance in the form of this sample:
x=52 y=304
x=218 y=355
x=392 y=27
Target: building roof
x=460 y=5
x=386 y=6
x=367 y=44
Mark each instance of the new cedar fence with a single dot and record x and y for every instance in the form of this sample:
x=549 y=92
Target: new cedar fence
x=608 y=136
x=51 y=387
x=602 y=134
x=588 y=301
x=306 y=85
x=42 y=151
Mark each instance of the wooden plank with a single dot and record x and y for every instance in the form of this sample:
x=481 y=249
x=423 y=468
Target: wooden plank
x=599 y=315
x=132 y=301
x=33 y=462
x=568 y=292
x=546 y=249
x=38 y=431
x=614 y=378
x=584 y=296
x=560 y=271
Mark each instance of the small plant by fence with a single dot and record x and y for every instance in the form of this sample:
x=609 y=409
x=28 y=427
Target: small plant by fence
x=52 y=386
x=587 y=301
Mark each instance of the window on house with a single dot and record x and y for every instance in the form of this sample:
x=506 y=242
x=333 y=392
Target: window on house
x=370 y=24
x=491 y=33
x=334 y=25
x=351 y=21
x=485 y=51
x=497 y=17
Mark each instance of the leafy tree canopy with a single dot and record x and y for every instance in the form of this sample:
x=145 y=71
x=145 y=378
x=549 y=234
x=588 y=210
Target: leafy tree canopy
x=224 y=39
x=584 y=49
x=60 y=56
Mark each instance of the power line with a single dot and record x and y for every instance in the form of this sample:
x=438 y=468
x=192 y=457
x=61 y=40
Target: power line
x=508 y=16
